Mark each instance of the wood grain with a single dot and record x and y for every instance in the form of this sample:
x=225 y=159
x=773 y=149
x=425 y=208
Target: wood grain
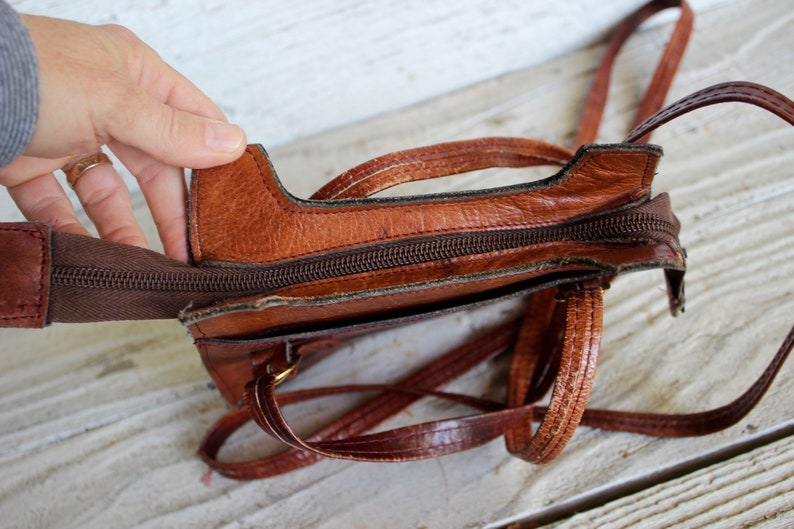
x=288 y=70
x=100 y=423
x=755 y=489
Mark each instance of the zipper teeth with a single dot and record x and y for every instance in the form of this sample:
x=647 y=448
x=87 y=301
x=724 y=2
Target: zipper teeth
x=403 y=253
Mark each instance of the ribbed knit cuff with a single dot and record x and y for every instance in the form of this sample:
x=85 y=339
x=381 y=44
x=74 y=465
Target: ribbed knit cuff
x=19 y=85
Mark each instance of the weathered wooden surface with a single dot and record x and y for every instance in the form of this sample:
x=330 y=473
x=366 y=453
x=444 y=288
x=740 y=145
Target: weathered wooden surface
x=754 y=489
x=99 y=423
x=288 y=70
x=285 y=70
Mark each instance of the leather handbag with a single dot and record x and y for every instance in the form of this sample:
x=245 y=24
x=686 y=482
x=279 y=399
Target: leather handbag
x=275 y=279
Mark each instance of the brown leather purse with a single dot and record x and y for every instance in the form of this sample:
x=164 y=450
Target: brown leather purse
x=275 y=279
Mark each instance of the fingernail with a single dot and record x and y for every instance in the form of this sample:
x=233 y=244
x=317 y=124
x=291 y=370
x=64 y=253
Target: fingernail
x=223 y=137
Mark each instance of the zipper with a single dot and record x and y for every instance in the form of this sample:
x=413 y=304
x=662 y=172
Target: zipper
x=631 y=226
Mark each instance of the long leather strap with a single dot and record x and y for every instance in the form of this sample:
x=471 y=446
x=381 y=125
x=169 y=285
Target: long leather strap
x=731 y=92
x=442 y=437
x=575 y=372
x=554 y=354
x=380 y=408
x=662 y=77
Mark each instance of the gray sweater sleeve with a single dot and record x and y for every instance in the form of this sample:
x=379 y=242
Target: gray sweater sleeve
x=19 y=85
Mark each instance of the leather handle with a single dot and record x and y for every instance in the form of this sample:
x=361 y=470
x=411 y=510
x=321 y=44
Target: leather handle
x=662 y=77
x=441 y=160
x=731 y=92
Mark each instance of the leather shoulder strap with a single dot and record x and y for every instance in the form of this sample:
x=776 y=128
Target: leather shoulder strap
x=731 y=92
x=662 y=77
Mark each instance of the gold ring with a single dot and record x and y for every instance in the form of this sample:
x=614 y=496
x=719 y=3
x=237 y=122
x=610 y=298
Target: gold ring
x=74 y=170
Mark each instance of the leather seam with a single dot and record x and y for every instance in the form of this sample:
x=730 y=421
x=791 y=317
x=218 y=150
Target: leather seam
x=550 y=438
x=43 y=258
x=646 y=171
x=573 y=403
x=197 y=179
x=396 y=171
x=216 y=377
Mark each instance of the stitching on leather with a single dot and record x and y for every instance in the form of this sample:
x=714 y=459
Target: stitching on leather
x=687 y=104
x=197 y=194
x=42 y=281
x=584 y=360
x=400 y=433
x=573 y=174
x=398 y=169
x=645 y=174
x=395 y=171
x=563 y=414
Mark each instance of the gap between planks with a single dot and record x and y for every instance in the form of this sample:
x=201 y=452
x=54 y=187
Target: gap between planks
x=592 y=508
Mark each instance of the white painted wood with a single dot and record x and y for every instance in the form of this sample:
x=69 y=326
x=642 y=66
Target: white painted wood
x=288 y=70
x=99 y=423
x=755 y=489
x=285 y=70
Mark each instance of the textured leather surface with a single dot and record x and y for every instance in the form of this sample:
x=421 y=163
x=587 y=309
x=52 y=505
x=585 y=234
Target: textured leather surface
x=24 y=274
x=597 y=179
x=241 y=214
x=437 y=281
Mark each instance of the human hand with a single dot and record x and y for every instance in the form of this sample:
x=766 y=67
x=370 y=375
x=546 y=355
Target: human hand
x=102 y=86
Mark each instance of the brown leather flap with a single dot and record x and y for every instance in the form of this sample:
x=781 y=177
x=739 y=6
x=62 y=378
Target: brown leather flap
x=241 y=214
x=24 y=274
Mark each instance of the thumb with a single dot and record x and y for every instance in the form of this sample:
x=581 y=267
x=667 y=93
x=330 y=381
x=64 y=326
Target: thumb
x=176 y=137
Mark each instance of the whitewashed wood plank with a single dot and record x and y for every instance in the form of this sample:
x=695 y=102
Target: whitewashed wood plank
x=140 y=391
x=288 y=70
x=285 y=70
x=755 y=489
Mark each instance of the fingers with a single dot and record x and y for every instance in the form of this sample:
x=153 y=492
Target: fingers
x=173 y=136
x=164 y=189
x=42 y=199
x=106 y=201
x=172 y=88
x=106 y=87
x=195 y=130
x=105 y=198
x=167 y=117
